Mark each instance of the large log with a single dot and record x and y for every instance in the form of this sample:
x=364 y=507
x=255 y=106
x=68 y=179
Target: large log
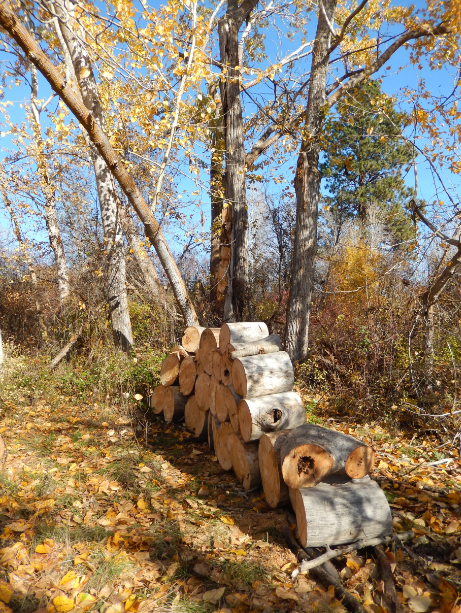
x=174 y=404
x=245 y=461
x=311 y=453
x=243 y=332
x=208 y=344
x=202 y=392
x=190 y=412
x=213 y=389
x=269 y=413
x=261 y=375
x=217 y=365
x=187 y=376
x=157 y=398
x=270 y=344
x=338 y=514
x=191 y=339
x=221 y=447
x=275 y=489
x=226 y=369
x=221 y=407
x=169 y=373
x=231 y=400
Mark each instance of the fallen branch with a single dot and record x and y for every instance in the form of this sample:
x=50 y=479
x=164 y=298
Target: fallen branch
x=389 y=598
x=322 y=575
x=334 y=553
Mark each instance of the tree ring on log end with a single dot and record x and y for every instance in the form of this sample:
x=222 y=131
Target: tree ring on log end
x=360 y=462
x=305 y=466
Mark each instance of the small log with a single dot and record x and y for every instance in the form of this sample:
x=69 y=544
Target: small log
x=245 y=461
x=269 y=413
x=200 y=369
x=226 y=369
x=191 y=411
x=242 y=332
x=217 y=365
x=270 y=344
x=169 y=373
x=231 y=400
x=174 y=404
x=187 y=376
x=261 y=375
x=213 y=389
x=275 y=489
x=312 y=452
x=178 y=349
x=202 y=392
x=221 y=448
x=339 y=514
x=157 y=398
x=208 y=344
x=220 y=404
x=191 y=339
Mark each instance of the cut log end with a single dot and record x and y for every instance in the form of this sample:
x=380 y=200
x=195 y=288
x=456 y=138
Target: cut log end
x=169 y=372
x=305 y=466
x=360 y=462
x=157 y=399
x=208 y=344
x=275 y=490
x=226 y=372
x=202 y=391
x=191 y=339
x=245 y=461
x=221 y=446
x=187 y=376
x=173 y=404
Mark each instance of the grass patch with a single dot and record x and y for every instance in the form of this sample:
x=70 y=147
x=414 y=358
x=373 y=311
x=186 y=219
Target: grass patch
x=244 y=572
x=106 y=570
x=24 y=604
x=78 y=534
x=9 y=486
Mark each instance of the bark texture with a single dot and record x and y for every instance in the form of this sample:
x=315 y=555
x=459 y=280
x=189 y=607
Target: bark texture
x=307 y=188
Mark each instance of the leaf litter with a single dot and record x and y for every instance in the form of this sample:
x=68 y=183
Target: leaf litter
x=93 y=520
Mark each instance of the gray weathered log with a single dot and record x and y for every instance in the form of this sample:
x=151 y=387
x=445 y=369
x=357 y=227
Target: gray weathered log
x=241 y=332
x=260 y=375
x=269 y=413
x=270 y=344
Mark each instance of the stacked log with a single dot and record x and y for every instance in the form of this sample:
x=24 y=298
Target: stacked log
x=236 y=392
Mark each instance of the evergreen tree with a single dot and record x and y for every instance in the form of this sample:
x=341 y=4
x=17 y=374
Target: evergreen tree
x=365 y=160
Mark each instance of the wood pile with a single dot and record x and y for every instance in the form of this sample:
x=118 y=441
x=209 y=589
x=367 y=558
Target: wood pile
x=233 y=387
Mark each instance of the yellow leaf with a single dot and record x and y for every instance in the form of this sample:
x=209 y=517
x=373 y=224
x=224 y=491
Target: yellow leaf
x=82 y=558
x=107 y=75
x=44 y=548
x=63 y=604
x=227 y=520
x=142 y=504
x=6 y=591
x=85 y=601
x=68 y=577
x=130 y=602
x=84 y=72
x=239 y=552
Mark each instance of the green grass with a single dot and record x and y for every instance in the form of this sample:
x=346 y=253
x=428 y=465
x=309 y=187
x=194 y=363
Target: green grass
x=78 y=534
x=243 y=572
x=106 y=570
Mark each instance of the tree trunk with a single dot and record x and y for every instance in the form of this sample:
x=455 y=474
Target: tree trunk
x=429 y=343
x=217 y=200
x=339 y=514
x=260 y=375
x=269 y=413
x=275 y=489
x=245 y=461
x=311 y=453
x=307 y=188
x=237 y=290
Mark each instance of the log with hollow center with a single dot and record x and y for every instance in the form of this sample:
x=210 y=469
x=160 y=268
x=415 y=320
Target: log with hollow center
x=226 y=369
x=269 y=413
x=311 y=453
x=338 y=514
x=270 y=344
x=275 y=489
x=187 y=375
x=202 y=392
x=157 y=398
x=241 y=332
x=231 y=400
x=169 y=372
x=221 y=447
x=208 y=344
x=174 y=404
x=191 y=339
x=245 y=461
x=261 y=375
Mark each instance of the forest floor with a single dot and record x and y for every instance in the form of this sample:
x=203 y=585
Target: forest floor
x=101 y=511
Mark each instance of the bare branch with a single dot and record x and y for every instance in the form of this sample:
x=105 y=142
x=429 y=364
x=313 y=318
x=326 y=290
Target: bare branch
x=430 y=225
x=339 y=38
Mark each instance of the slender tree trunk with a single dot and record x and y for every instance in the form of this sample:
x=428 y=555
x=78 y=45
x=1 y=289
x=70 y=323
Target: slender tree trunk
x=54 y=235
x=238 y=271
x=216 y=196
x=429 y=342
x=112 y=227
x=307 y=187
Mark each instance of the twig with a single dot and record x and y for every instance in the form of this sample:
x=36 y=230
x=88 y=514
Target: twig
x=322 y=575
x=389 y=599
x=334 y=553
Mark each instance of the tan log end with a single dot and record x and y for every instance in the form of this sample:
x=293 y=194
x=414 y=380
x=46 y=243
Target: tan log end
x=187 y=376
x=245 y=421
x=275 y=490
x=213 y=389
x=239 y=378
x=231 y=400
x=208 y=344
x=220 y=404
x=174 y=404
x=202 y=391
x=191 y=339
x=360 y=462
x=169 y=372
x=190 y=413
x=201 y=424
x=226 y=370
x=221 y=448
x=217 y=365
x=305 y=466
x=245 y=461
x=157 y=398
